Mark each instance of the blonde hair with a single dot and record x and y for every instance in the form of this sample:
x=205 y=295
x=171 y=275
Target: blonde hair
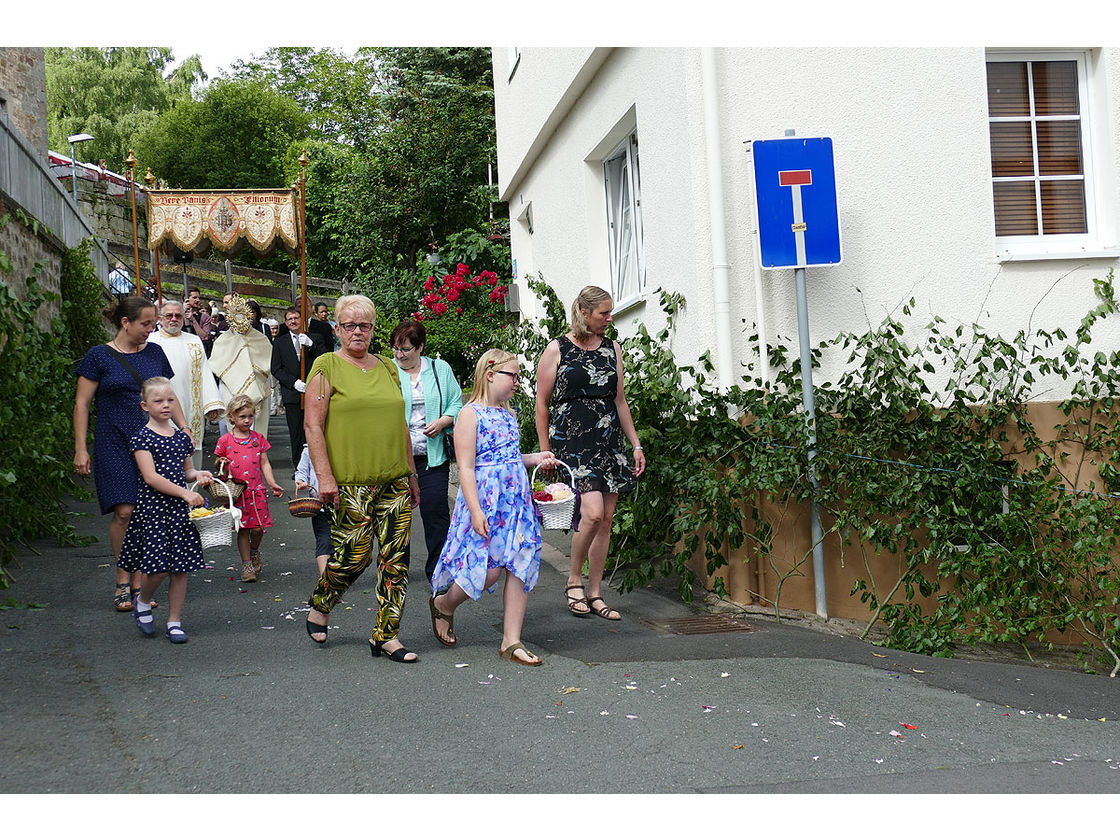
x=359 y=302
x=588 y=298
x=239 y=402
x=490 y=360
x=153 y=383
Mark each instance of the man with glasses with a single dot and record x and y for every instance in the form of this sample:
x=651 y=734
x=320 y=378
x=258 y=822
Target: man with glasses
x=196 y=318
x=194 y=384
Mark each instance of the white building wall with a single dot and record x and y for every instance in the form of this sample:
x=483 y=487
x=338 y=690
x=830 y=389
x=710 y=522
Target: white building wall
x=910 y=134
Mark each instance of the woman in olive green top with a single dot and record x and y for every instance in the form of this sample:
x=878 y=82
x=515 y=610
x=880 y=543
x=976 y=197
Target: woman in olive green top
x=358 y=441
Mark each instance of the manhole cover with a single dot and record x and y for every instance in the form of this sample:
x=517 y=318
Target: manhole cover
x=695 y=624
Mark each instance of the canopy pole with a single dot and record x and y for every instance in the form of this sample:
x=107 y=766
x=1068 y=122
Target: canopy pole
x=303 y=308
x=131 y=162
x=150 y=180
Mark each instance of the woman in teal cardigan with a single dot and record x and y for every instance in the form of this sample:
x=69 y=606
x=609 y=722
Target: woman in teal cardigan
x=432 y=399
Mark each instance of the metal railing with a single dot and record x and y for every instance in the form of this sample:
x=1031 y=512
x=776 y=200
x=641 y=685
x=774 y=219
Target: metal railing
x=26 y=183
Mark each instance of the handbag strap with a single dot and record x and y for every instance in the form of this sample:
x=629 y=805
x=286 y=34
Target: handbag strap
x=127 y=366
x=439 y=390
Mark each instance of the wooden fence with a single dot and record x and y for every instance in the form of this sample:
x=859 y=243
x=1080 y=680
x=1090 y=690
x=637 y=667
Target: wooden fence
x=263 y=286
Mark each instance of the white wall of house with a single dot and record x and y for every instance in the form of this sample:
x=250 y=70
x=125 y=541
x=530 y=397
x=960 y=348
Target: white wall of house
x=911 y=139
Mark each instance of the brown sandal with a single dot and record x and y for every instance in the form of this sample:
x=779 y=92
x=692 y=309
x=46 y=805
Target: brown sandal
x=510 y=653
x=438 y=616
x=603 y=611
x=573 y=601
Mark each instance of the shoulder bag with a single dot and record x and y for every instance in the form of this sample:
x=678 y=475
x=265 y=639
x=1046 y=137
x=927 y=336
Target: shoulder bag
x=449 y=432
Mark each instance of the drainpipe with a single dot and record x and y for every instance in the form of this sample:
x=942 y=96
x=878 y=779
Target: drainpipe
x=720 y=268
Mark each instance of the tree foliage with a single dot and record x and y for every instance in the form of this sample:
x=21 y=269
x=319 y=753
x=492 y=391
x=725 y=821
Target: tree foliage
x=237 y=136
x=340 y=95
x=113 y=93
x=401 y=141
x=412 y=173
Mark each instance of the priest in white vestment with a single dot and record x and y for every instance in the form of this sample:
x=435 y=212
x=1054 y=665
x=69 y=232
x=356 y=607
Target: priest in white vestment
x=194 y=383
x=242 y=360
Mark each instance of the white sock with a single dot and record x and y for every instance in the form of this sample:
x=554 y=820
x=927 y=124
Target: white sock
x=171 y=624
x=141 y=607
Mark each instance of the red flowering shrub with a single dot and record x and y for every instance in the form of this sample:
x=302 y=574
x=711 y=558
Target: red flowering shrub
x=464 y=316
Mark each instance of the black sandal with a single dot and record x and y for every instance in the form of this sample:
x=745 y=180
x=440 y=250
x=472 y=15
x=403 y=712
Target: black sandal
x=573 y=601
x=312 y=627
x=603 y=611
x=122 y=599
x=397 y=656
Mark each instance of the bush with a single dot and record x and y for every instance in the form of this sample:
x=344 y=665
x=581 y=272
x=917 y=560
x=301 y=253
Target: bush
x=81 y=301
x=464 y=316
x=904 y=466
x=36 y=401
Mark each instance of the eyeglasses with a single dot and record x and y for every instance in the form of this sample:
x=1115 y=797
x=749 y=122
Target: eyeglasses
x=403 y=350
x=364 y=326
x=170 y=317
x=516 y=377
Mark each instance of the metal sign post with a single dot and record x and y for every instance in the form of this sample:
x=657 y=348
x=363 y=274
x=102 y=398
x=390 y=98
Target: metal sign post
x=799 y=226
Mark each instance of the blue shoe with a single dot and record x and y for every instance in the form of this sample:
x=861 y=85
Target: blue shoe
x=177 y=635
x=148 y=628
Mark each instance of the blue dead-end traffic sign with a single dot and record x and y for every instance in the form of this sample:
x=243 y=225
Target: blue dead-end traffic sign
x=795 y=194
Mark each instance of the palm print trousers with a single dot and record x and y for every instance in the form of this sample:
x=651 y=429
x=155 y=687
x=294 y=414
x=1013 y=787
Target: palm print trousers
x=366 y=512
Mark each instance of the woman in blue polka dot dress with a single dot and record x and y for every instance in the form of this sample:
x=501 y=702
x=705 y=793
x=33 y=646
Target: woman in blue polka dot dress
x=161 y=541
x=109 y=378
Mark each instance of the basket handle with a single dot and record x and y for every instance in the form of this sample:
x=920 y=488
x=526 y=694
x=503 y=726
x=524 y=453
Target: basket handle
x=220 y=466
x=224 y=487
x=571 y=475
x=310 y=495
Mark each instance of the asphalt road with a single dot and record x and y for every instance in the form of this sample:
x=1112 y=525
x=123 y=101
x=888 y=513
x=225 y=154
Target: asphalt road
x=251 y=705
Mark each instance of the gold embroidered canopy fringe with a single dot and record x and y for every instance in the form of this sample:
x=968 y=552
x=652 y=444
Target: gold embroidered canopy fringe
x=228 y=220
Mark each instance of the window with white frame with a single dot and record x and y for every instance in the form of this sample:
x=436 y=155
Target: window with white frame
x=624 y=221
x=1041 y=163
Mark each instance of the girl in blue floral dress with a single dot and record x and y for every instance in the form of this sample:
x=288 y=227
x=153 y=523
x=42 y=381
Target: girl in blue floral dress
x=494 y=527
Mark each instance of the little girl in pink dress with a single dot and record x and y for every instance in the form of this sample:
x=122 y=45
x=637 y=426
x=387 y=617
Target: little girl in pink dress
x=244 y=451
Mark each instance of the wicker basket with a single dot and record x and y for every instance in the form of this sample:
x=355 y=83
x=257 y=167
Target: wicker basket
x=557 y=515
x=217 y=528
x=304 y=508
x=233 y=489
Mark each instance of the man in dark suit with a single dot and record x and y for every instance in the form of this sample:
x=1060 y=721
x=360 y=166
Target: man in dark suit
x=319 y=325
x=287 y=349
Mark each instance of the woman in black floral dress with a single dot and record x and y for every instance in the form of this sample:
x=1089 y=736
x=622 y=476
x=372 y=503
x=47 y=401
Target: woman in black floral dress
x=582 y=416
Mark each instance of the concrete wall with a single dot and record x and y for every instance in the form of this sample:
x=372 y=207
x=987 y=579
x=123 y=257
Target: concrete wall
x=910 y=134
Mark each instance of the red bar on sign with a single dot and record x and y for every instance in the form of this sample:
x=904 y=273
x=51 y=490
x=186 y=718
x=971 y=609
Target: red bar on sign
x=795 y=177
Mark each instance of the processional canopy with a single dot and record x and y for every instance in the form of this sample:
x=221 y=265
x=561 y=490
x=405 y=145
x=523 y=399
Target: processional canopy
x=196 y=221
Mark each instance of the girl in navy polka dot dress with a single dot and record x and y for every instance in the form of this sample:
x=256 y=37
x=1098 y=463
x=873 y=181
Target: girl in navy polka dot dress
x=160 y=541
x=245 y=451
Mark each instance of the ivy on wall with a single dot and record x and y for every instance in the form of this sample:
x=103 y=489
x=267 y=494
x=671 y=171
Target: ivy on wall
x=913 y=460
x=36 y=401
